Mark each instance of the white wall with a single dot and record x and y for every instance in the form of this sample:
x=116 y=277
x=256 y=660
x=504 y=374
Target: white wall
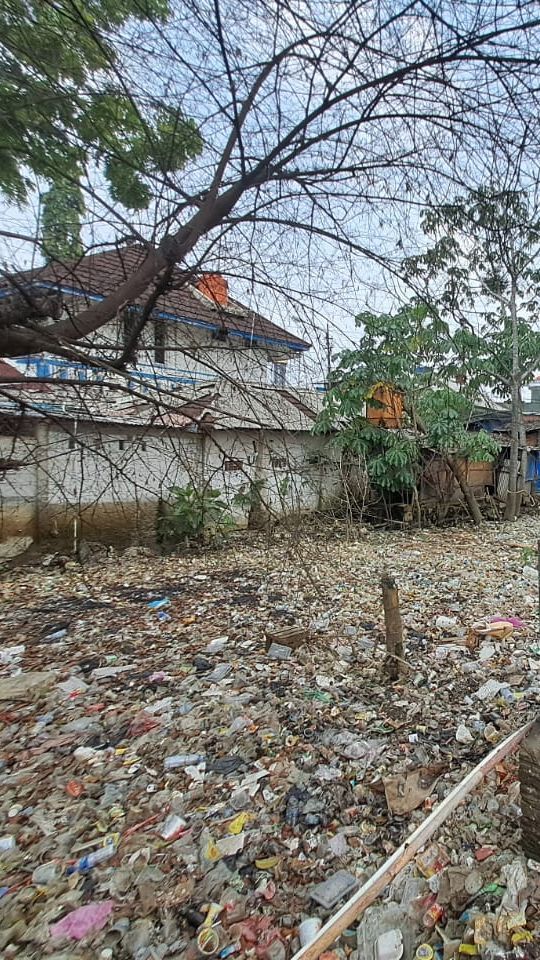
x=113 y=477
x=188 y=351
x=193 y=350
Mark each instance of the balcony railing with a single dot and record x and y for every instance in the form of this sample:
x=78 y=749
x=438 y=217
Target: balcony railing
x=144 y=375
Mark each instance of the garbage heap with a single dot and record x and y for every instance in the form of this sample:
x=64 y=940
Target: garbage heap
x=202 y=756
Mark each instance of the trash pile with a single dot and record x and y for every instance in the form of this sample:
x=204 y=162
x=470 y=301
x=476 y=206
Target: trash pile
x=202 y=756
x=477 y=897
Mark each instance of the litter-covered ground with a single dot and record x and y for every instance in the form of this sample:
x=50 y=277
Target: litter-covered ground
x=199 y=754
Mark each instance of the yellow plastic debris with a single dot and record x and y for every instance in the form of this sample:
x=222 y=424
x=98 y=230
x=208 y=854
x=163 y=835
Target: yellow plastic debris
x=237 y=825
x=522 y=936
x=267 y=863
x=211 y=851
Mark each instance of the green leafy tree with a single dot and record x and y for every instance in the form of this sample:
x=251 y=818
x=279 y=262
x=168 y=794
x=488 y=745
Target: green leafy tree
x=411 y=351
x=61 y=222
x=66 y=111
x=482 y=271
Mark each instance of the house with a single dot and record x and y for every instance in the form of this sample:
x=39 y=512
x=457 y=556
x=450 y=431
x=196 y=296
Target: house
x=206 y=403
x=497 y=420
x=101 y=471
x=197 y=332
x=438 y=492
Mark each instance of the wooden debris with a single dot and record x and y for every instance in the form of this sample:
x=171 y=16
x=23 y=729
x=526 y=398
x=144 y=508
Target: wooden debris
x=394 y=627
x=529 y=776
x=369 y=892
x=292 y=637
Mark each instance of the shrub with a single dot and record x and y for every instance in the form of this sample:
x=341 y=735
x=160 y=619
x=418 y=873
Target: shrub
x=192 y=515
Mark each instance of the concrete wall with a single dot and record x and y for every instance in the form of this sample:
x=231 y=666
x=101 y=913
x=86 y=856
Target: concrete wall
x=105 y=483
x=18 y=480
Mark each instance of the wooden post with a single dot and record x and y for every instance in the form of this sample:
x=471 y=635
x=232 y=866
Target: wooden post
x=394 y=627
x=538 y=564
x=529 y=776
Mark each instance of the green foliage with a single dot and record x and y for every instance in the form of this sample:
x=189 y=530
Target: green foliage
x=283 y=487
x=63 y=209
x=194 y=515
x=529 y=557
x=445 y=414
x=411 y=350
x=480 y=244
x=249 y=495
x=391 y=456
x=63 y=109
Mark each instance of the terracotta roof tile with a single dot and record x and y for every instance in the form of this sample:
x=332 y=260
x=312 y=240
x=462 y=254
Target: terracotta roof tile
x=99 y=274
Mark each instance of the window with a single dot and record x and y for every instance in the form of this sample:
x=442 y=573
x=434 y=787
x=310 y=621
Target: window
x=121 y=444
x=159 y=342
x=232 y=465
x=220 y=334
x=280 y=374
x=72 y=443
x=279 y=463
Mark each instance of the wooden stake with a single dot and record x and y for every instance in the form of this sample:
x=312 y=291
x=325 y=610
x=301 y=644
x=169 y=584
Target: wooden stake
x=393 y=625
x=354 y=907
x=538 y=565
x=529 y=778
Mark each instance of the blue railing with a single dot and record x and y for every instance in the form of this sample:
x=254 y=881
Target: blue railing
x=144 y=377
x=59 y=369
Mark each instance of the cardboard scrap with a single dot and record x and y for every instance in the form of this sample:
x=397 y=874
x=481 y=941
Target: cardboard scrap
x=405 y=792
x=26 y=686
x=292 y=637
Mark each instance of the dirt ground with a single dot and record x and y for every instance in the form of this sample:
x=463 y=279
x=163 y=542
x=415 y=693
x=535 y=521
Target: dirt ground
x=284 y=777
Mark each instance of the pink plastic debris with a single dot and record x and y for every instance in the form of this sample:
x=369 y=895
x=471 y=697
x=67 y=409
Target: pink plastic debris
x=84 y=920
x=515 y=621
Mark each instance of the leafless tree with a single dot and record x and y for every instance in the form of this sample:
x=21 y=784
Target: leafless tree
x=319 y=122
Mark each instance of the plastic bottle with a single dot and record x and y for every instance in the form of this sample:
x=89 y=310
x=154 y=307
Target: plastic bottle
x=292 y=812
x=507 y=694
x=92 y=860
x=433 y=915
x=183 y=760
x=424 y=952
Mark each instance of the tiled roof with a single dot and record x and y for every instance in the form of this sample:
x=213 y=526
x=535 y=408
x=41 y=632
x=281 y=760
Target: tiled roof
x=8 y=372
x=218 y=405
x=231 y=407
x=97 y=275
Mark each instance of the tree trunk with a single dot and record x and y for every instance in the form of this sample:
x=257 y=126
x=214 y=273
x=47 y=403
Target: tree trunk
x=512 y=506
x=469 y=497
x=394 y=627
x=523 y=458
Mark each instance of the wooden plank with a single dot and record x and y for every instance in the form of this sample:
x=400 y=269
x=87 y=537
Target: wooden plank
x=529 y=778
x=405 y=853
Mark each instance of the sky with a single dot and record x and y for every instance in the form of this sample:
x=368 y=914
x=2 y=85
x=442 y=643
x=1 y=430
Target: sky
x=297 y=277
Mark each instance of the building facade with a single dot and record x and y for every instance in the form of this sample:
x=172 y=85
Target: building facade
x=89 y=451
x=197 y=331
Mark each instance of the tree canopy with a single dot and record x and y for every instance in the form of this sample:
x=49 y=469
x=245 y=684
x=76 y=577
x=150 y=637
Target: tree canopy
x=479 y=243
x=289 y=136
x=410 y=351
x=67 y=110
x=483 y=272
